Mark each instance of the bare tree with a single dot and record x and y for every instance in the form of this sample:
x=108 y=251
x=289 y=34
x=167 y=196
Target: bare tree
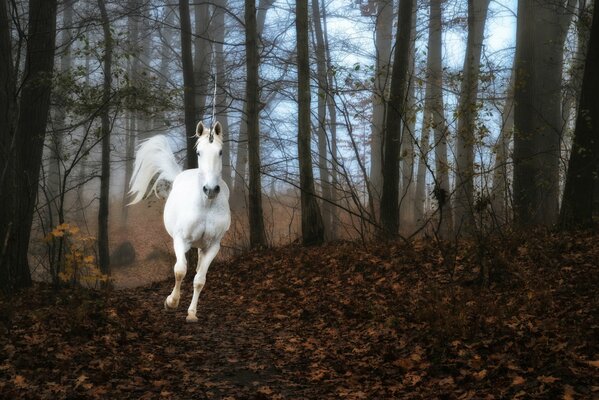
x=542 y=29
x=395 y=113
x=583 y=169
x=188 y=83
x=312 y=225
x=467 y=112
x=23 y=146
x=256 y=218
x=103 y=249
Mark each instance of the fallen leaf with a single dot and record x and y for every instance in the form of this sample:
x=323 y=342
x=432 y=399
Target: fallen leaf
x=518 y=380
x=547 y=379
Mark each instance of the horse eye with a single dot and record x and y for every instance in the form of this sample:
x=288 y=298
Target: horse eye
x=198 y=153
x=220 y=153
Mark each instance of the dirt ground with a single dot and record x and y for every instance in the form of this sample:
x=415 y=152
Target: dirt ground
x=383 y=321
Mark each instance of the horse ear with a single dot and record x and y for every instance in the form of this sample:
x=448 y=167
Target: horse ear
x=199 y=129
x=218 y=129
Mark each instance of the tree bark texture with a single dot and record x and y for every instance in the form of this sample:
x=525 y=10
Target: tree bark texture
x=21 y=175
x=541 y=32
x=395 y=114
x=323 y=140
x=582 y=179
x=467 y=112
x=382 y=78
x=256 y=217
x=188 y=83
x=312 y=225
x=103 y=248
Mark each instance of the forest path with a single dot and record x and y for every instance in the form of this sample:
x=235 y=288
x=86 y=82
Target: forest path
x=337 y=321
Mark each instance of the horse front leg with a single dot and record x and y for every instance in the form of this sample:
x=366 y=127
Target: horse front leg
x=172 y=301
x=199 y=279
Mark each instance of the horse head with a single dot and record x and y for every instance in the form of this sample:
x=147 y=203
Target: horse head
x=209 y=148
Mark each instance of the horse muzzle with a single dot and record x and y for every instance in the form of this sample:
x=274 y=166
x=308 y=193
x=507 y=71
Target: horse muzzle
x=211 y=192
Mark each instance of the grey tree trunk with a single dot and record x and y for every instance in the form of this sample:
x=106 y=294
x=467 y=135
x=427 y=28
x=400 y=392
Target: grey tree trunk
x=54 y=183
x=382 y=78
x=395 y=114
x=256 y=217
x=103 y=248
x=441 y=190
x=238 y=197
x=20 y=173
x=499 y=192
x=542 y=29
x=407 y=186
x=221 y=95
x=188 y=83
x=583 y=169
x=467 y=112
x=312 y=225
x=323 y=162
x=132 y=114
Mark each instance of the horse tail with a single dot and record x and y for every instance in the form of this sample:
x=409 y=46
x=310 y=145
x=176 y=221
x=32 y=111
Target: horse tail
x=154 y=159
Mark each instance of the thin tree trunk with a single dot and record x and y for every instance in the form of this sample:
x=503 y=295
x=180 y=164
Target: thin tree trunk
x=256 y=218
x=323 y=163
x=499 y=192
x=441 y=190
x=238 y=198
x=583 y=169
x=103 y=248
x=312 y=225
x=383 y=40
x=221 y=95
x=395 y=114
x=20 y=180
x=467 y=112
x=188 y=83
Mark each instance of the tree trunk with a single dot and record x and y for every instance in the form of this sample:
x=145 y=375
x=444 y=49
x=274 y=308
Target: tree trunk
x=542 y=29
x=221 y=95
x=312 y=225
x=383 y=40
x=188 y=83
x=256 y=218
x=467 y=112
x=238 y=198
x=131 y=114
x=103 y=249
x=441 y=190
x=408 y=142
x=323 y=163
x=499 y=192
x=395 y=114
x=21 y=174
x=582 y=179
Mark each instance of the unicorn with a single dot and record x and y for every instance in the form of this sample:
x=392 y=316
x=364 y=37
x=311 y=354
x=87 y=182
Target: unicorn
x=196 y=213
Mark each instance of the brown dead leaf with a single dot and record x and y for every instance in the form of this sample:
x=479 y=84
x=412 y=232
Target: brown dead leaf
x=20 y=381
x=593 y=363
x=480 y=375
x=518 y=380
x=547 y=379
x=569 y=393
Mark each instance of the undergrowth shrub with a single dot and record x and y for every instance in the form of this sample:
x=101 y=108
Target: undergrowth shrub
x=76 y=262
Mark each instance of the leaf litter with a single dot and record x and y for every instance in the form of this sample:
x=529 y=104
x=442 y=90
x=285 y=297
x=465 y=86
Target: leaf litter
x=337 y=321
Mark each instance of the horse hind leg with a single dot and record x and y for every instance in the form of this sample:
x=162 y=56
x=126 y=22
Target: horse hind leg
x=172 y=301
x=199 y=280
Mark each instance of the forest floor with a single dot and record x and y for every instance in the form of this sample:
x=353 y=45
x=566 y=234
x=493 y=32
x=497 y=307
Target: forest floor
x=383 y=321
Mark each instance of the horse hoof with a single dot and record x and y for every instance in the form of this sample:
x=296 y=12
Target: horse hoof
x=191 y=318
x=168 y=307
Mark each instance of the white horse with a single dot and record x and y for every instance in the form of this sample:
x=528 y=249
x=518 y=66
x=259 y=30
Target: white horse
x=197 y=212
